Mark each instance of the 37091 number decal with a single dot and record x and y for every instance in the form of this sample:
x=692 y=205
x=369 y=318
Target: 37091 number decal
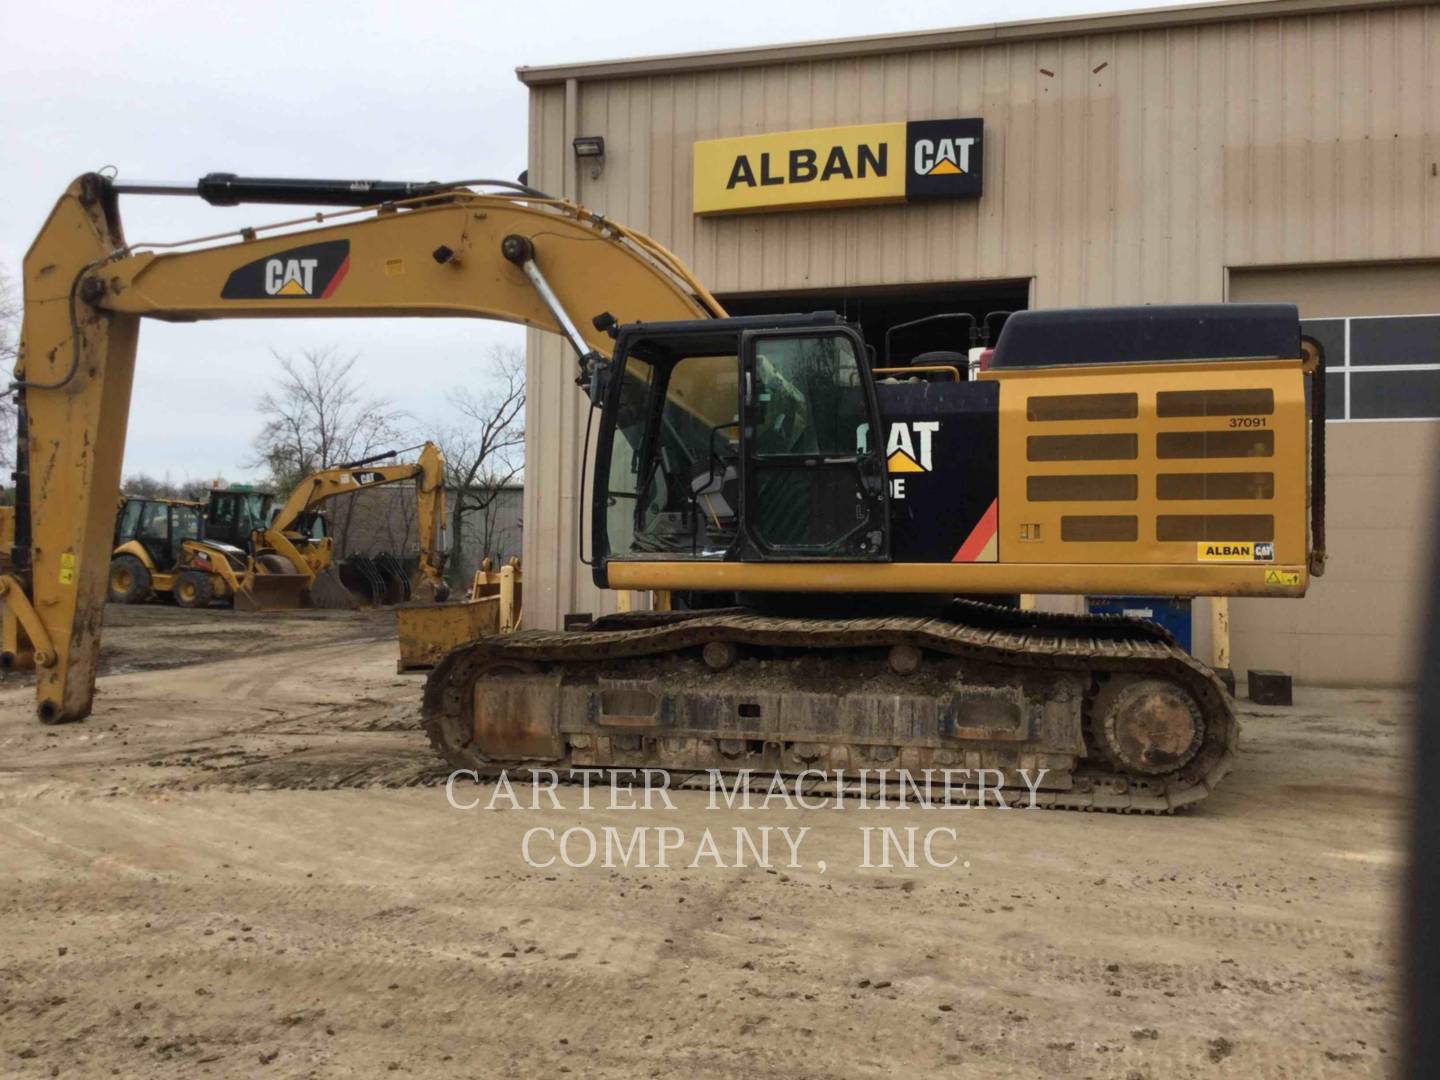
x=1247 y=421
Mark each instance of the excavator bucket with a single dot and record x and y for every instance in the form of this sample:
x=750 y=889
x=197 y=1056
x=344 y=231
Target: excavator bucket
x=274 y=592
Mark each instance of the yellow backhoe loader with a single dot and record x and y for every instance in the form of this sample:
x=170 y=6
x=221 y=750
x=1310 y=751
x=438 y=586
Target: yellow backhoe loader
x=295 y=539
x=178 y=549
x=813 y=514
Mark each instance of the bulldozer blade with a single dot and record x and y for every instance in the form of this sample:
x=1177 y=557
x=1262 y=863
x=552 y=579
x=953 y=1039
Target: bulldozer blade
x=274 y=592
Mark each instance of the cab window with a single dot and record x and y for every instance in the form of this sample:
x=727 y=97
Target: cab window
x=808 y=396
x=186 y=523
x=154 y=521
x=129 y=520
x=674 y=462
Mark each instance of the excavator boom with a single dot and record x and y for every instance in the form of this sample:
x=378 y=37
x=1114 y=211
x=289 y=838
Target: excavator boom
x=86 y=290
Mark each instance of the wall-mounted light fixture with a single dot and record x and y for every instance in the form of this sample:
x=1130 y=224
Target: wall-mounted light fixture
x=592 y=147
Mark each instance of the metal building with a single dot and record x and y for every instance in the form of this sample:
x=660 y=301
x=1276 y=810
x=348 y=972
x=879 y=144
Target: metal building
x=1284 y=150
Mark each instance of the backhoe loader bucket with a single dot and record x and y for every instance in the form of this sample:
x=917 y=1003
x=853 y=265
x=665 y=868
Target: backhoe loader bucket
x=274 y=592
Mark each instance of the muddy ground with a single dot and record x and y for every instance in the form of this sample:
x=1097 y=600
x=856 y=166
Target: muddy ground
x=245 y=864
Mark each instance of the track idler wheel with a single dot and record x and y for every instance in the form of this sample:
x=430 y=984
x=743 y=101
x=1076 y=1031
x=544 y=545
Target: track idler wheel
x=1149 y=726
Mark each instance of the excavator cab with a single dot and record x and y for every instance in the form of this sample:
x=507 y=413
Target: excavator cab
x=739 y=440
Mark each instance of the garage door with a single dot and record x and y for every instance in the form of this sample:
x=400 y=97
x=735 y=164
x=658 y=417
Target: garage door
x=1361 y=623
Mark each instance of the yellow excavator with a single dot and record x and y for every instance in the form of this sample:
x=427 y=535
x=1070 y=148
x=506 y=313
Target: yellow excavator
x=821 y=521
x=295 y=539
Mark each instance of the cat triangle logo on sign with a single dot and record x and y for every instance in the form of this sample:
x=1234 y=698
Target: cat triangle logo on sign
x=901 y=462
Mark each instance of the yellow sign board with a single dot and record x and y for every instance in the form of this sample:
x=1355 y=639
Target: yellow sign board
x=839 y=166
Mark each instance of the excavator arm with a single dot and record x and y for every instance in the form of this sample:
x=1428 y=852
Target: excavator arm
x=428 y=472
x=516 y=257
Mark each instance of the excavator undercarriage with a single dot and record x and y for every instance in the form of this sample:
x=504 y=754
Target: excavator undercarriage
x=1091 y=712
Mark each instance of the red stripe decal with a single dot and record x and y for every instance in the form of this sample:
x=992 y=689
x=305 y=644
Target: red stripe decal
x=335 y=281
x=980 y=535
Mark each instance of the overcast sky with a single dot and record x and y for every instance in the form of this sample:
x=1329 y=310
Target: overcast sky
x=413 y=91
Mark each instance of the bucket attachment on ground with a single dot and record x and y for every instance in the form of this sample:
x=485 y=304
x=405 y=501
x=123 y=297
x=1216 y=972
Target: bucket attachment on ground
x=429 y=631
x=396 y=579
x=375 y=581
x=274 y=592
x=328 y=591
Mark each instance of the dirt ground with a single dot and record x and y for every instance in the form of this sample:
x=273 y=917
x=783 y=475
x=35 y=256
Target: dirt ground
x=245 y=863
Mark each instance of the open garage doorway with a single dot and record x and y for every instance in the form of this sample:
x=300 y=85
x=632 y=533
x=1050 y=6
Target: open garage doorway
x=879 y=308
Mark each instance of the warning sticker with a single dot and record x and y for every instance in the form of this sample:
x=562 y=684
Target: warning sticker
x=1282 y=577
x=67 y=569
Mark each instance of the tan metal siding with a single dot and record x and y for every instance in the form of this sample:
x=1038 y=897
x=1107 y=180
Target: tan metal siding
x=1191 y=149
x=1405 y=288
x=1362 y=623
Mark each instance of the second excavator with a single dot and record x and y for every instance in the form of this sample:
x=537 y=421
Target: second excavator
x=295 y=540
x=816 y=516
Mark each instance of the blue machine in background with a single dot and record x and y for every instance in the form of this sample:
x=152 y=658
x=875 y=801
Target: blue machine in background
x=1173 y=613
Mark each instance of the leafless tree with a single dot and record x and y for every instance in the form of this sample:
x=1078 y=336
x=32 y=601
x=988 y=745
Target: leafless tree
x=378 y=519
x=319 y=416
x=145 y=486
x=484 y=452
x=10 y=307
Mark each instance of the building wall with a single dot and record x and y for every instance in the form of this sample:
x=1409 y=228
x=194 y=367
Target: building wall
x=1364 y=621
x=1121 y=167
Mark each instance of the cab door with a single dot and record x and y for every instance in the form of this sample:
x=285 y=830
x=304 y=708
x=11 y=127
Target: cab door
x=809 y=490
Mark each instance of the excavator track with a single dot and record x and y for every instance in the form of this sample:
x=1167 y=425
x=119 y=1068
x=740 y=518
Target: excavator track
x=1116 y=713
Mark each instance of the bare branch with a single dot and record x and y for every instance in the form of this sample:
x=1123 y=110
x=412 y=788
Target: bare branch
x=484 y=454
x=10 y=309
x=317 y=416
